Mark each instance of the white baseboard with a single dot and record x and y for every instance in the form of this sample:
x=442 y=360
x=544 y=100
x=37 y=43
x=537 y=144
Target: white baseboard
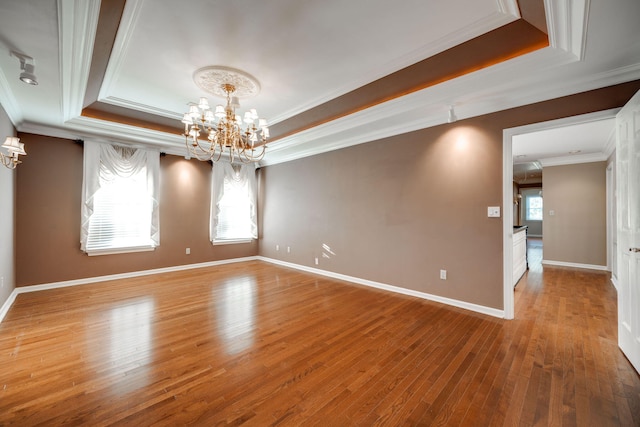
x=7 y=304
x=614 y=280
x=575 y=265
x=77 y=282
x=448 y=301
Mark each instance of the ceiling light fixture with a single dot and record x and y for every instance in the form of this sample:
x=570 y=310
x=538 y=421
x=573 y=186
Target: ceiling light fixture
x=452 y=115
x=15 y=148
x=27 y=69
x=224 y=128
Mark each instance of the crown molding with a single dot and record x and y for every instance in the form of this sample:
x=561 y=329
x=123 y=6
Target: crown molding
x=566 y=121
x=104 y=131
x=76 y=32
x=499 y=96
x=573 y=160
x=128 y=22
x=331 y=142
x=121 y=102
x=509 y=7
x=567 y=25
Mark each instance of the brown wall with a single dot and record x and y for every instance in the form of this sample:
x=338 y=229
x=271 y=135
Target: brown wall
x=577 y=232
x=400 y=209
x=7 y=216
x=48 y=217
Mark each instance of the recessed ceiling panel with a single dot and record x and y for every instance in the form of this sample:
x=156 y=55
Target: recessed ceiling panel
x=302 y=53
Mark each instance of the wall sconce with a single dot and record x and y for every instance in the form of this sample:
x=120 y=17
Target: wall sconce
x=27 y=69
x=15 y=148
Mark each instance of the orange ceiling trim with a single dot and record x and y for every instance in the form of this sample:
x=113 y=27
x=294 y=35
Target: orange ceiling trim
x=497 y=46
x=100 y=112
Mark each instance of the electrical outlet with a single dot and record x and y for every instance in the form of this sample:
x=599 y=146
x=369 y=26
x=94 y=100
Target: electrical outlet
x=187 y=251
x=277 y=248
x=443 y=274
x=288 y=249
x=493 y=211
x=2 y=278
x=316 y=260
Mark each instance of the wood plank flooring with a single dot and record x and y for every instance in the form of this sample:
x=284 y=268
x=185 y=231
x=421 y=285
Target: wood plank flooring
x=257 y=344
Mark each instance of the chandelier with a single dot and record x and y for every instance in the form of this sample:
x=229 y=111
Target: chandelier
x=210 y=134
x=15 y=148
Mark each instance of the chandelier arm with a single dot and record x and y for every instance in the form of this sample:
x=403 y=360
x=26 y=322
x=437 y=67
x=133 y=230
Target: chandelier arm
x=9 y=161
x=248 y=153
x=195 y=149
x=219 y=149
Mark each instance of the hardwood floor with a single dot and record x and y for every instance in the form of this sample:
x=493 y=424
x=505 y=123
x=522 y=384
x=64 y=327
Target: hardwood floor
x=257 y=344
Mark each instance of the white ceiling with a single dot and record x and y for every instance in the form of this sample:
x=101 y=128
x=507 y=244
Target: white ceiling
x=303 y=54
x=569 y=143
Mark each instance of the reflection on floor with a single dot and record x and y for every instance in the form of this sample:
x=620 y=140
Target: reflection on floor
x=534 y=262
x=534 y=253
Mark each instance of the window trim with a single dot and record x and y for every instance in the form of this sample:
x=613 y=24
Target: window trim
x=122 y=250
x=230 y=241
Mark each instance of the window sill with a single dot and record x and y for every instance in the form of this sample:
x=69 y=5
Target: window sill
x=114 y=251
x=230 y=241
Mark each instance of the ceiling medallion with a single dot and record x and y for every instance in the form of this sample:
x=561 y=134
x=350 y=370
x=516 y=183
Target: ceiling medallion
x=212 y=80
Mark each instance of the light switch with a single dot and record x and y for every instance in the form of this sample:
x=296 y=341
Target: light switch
x=552 y=212
x=493 y=211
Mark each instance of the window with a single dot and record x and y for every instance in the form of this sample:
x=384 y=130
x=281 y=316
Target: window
x=233 y=203
x=533 y=208
x=119 y=207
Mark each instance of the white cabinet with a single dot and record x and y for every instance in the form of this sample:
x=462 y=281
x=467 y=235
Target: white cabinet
x=519 y=253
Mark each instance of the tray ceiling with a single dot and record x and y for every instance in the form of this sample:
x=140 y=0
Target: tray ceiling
x=332 y=73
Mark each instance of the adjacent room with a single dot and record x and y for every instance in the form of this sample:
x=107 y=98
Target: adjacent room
x=305 y=213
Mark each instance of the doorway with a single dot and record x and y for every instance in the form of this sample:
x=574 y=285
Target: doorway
x=508 y=205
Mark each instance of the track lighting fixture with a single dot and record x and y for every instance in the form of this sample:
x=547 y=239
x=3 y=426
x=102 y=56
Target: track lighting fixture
x=452 y=115
x=27 y=69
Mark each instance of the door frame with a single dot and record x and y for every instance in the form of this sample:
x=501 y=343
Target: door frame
x=611 y=223
x=507 y=191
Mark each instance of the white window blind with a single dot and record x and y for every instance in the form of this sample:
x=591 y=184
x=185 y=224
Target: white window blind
x=533 y=208
x=119 y=199
x=233 y=203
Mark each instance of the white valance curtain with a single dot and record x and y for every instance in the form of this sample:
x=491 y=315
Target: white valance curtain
x=234 y=195
x=102 y=164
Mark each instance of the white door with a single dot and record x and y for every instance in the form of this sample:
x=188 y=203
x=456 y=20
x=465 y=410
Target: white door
x=628 y=183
